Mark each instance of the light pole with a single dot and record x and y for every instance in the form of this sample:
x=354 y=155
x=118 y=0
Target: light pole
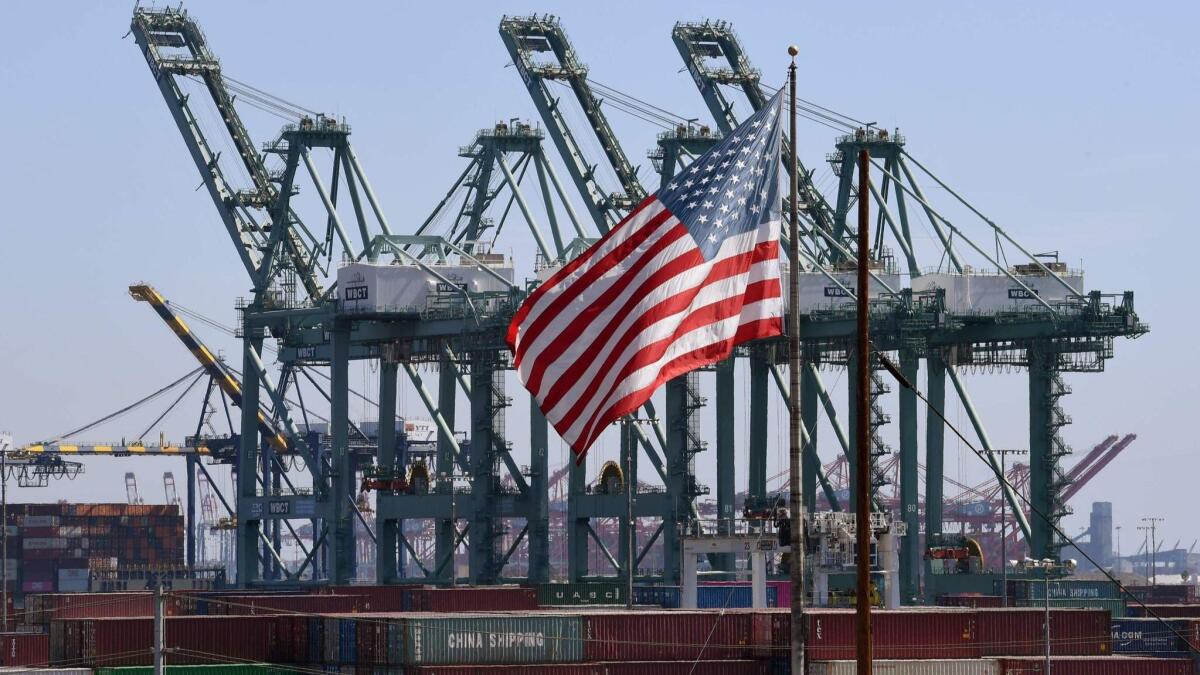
x=5 y=446
x=1152 y=551
x=1004 y=520
x=1048 y=567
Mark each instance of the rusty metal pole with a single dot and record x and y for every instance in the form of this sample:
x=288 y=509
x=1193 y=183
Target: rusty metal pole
x=862 y=430
x=796 y=501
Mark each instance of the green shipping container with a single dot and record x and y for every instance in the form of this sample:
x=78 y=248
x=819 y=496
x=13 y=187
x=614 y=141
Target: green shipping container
x=1115 y=606
x=581 y=594
x=1072 y=589
x=492 y=639
x=214 y=669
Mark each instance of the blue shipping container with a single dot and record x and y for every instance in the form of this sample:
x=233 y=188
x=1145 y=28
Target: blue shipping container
x=730 y=596
x=316 y=639
x=659 y=596
x=347 y=641
x=1149 y=636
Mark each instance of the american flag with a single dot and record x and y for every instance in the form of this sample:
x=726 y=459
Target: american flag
x=686 y=276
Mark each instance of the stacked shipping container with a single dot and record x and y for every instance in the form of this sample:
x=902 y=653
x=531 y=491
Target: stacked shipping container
x=53 y=547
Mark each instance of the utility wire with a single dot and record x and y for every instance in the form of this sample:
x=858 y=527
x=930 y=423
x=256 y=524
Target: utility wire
x=126 y=409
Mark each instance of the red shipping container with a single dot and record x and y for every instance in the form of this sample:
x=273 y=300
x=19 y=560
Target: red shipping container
x=191 y=639
x=283 y=604
x=43 y=607
x=24 y=649
x=974 y=600
x=377 y=598
x=684 y=667
x=291 y=639
x=470 y=599
x=1097 y=665
x=1165 y=611
x=371 y=634
x=1165 y=594
x=942 y=633
x=1021 y=632
x=671 y=635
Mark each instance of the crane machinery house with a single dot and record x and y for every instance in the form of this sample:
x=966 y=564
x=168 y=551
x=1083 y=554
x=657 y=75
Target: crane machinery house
x=399 y=288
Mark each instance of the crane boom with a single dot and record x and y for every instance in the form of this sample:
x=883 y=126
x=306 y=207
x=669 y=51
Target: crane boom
x=526 y=36
x=698 y=42
x=174 y=48
x=211 y=364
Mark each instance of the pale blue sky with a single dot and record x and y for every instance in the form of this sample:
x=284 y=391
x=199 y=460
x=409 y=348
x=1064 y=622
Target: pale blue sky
x=1068 y=124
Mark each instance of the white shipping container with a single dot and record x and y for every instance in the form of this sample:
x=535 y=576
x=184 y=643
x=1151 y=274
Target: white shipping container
x=70 y=531
x=73 y=586
x=39 y=543
x=819 y=292
x=378 y=288
x=938 y=667
x=40 y=521
x=995 y=293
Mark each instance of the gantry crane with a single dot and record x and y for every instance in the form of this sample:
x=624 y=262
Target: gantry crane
x=1058 y=318
x=278 y=250
x=1058 y=327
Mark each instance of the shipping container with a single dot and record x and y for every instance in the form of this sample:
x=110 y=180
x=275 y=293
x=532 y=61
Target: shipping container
x=938 y=633
x=1165 y=611
x=731 y=596
x=1114 y=606
x=1074 y=589
x=211 y=669
x=924 y=667
x=581 y=594
x=282 y=604
x=743 y=667
x=376 y=598
x=975 y=600
x=1164 y=593
x=1164 y=638
x=650 y=635
x=658 y=596
x=491 y=639
x=24 y=649
x=43 y=607
x=470 y=599
x=1097 y=665
x=1021 y=632
x=191 y=639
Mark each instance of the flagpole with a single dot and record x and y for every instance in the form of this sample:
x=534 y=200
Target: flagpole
x=796 y=504
x=862 y=429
